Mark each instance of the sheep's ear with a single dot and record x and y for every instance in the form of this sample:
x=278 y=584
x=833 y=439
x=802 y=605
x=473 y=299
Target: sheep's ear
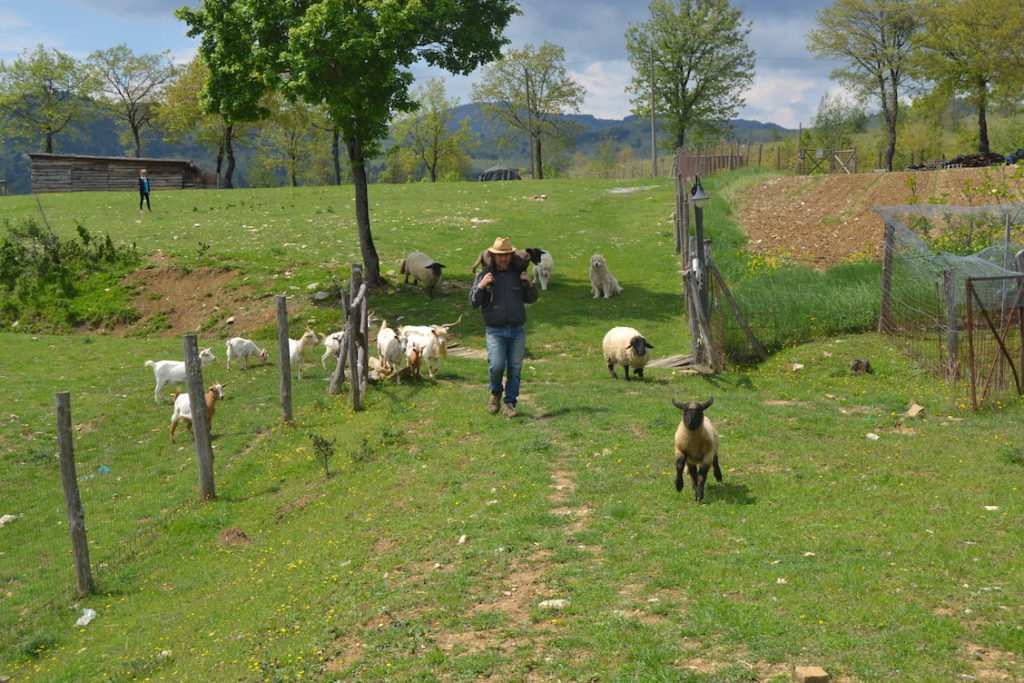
x=677 y=404
x=707 y=404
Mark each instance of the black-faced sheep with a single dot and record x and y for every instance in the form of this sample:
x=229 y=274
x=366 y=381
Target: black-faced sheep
x=422 y=269
x=696 y=446
x=602 y=283
x=625 y=346
x=521 y=259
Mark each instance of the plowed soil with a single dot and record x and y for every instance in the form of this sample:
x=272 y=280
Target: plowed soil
x=826 y=220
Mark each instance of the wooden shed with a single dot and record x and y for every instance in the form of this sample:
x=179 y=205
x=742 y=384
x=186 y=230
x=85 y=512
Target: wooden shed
x=80 y=173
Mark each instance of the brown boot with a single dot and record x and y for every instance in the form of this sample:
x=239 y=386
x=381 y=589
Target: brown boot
x=509 y=410
x=495 y=403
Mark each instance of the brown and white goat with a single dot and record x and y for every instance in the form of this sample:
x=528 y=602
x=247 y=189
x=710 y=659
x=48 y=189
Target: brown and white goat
x=696 y=446
x=183 y=407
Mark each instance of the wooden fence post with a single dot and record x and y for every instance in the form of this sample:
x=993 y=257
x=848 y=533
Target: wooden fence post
x=72 y=499
x=285 y=358
x=353 y=327
x=200 y=420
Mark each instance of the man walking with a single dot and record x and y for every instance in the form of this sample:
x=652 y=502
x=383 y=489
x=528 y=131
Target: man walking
x=502 y=292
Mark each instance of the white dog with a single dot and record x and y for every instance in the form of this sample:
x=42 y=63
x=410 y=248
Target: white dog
x=602 y=283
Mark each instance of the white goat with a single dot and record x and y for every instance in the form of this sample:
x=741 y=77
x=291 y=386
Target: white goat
x=423 y=269
x=602 y=283
x=183 y=407
x=173 y=371
x=696 y=446
x=239 y=347
x=332 y=347
x=297 y=348
x=431 y=340
x=543 y=268
x=391 y=349
x=625 y=346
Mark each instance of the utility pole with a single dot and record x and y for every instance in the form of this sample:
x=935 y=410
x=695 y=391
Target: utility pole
x=654 y=125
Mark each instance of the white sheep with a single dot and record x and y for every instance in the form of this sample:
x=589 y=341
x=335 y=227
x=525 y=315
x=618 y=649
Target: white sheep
x=173 y=371
x=422 y=269
x=544 y=266
x=183 y=407
x=332 y=347
x=239 y=347
x=297 y=348
x=431 y=340
x=391 y=348
x=625 y=346
x=696 y=446
x=602 y=283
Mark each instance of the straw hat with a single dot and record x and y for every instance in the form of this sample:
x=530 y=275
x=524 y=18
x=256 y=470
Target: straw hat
x=501 y=246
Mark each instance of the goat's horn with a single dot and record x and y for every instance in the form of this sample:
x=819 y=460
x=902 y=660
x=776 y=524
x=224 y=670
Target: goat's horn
x=454 y=323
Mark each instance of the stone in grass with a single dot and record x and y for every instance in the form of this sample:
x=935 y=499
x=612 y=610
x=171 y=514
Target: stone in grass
x=812 y=674
x=553 y=604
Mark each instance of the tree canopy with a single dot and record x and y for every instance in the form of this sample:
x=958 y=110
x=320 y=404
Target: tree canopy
x=693 y=56
x=350 y=56
x=429 y=138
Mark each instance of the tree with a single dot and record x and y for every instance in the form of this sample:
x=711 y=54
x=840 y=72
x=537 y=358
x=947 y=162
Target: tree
x=293 y=138
x=836 y=121
x=181 y=112
x=42 y=93
x=693 y=56
x=429 y=136
x=876 y=38
x=131 y=85
x=528 y=90
x=971 y=50
x=350 y=56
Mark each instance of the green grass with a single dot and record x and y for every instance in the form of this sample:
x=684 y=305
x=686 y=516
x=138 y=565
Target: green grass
x=874 y=559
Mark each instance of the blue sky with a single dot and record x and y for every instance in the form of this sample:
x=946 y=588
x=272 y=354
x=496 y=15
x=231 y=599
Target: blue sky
x=788 y=85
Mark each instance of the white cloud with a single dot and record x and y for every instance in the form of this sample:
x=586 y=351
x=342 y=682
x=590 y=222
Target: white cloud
x=605 y=82
x=785 y=100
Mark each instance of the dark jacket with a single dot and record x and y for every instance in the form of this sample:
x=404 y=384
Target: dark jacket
x=504 y=302
x=143 y=185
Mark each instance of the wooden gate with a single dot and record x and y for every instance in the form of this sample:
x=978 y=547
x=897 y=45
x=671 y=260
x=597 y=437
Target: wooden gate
x=826 y=161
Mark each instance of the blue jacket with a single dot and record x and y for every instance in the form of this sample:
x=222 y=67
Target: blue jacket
x=143 y=185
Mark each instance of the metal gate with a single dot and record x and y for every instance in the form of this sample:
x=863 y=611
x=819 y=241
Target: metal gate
x=995 y=337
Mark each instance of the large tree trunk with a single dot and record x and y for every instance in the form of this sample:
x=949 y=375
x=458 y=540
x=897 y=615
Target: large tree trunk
x=49 y=143
x=229 y=150
x=890 y=113
x=138 y=141
x=983 y=146
x=371 y=262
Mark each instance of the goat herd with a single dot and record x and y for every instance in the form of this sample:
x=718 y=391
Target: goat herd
x=412 y=346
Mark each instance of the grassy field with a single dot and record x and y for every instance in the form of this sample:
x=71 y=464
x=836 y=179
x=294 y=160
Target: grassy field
x=427 y=553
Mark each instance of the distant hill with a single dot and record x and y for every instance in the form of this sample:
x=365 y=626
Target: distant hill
x=100 y=138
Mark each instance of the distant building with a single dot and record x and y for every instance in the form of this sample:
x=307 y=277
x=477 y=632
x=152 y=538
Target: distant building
x=80 y=173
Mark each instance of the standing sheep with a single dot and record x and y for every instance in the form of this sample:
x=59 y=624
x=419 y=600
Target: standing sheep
x=423 y=269
x=602 y=283
x=696 y=446
x=626 y=347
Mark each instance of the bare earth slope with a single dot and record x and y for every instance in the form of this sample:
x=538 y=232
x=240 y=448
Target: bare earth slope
x=825 y=220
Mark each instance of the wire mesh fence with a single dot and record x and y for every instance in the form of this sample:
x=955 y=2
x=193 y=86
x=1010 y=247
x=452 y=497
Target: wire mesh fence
x=951 y=295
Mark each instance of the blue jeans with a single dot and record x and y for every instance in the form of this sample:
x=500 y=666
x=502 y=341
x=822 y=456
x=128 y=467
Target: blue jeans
x=506 y=348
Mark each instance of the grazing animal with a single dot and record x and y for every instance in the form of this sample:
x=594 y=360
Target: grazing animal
x=414 y=360
x=238 y=347
x=173 y=371
x=543 y=269
x=391 y=347
x=602 y=283
x=696 y=446
x=626 y=347
x=183 y=407
x=521 y=259
x=297 y=348
x=422 y=269
x=332 y=347
x=432 y=341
